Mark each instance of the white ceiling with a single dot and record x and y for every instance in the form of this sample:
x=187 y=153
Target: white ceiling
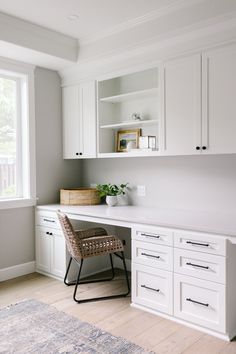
x=94 y=15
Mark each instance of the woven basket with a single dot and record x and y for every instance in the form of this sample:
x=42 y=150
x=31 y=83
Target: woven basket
x=79 y=196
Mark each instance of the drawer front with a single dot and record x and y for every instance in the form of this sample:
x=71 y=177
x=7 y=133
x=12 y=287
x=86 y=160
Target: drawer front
x=200 y=302
x=154 y=235
x=47 y=219
x=152 y=288
x=49 y=231
x=152 y=255
x=200 y=242
x=200 y=265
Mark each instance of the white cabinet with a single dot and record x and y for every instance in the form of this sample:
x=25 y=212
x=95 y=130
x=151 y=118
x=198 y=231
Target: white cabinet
x=190 y=280
x=43 y=250
x=152 y=268
x=50 y=245
x=198 y=104
x=50 y=251
x=201 y=302
x=219 y=105
x=181 y=106
x=153 y=288
x=186 y=103
x=79 y=121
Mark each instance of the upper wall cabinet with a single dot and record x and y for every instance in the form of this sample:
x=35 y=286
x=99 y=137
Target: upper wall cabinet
x=79 y=121
x=119 y=99
x=181 y=106
x=198 y=103
x=219 y=102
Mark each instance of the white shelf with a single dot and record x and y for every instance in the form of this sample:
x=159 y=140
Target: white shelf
x=130 y=124
x=130 y=95
x=107 y=155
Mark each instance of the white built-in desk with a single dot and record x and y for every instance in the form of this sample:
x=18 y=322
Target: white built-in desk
x=183 y=262
x=217 y=222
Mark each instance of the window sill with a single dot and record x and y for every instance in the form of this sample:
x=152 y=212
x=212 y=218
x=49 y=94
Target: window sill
x=17 y=203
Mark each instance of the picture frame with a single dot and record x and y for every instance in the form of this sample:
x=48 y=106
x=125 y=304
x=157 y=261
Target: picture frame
x=127 y=139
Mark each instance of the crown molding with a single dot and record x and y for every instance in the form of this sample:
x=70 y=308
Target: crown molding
x=132 y=23
x=149 y=53
x=215 y=24
x=28 y=35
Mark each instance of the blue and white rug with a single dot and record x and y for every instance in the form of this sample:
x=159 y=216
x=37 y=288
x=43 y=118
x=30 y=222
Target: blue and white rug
x=34 y=327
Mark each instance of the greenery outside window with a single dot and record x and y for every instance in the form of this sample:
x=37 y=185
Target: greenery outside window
x=17 y=160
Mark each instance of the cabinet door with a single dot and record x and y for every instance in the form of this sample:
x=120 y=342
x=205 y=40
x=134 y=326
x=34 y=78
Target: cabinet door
x=181 y=113
x=71 y=123
x=58 y=254
x=88 y=121
x=219 y=104
x=79 y=121
x=43 y=250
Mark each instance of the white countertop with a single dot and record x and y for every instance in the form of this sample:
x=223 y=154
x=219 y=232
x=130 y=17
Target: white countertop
x=217 y=222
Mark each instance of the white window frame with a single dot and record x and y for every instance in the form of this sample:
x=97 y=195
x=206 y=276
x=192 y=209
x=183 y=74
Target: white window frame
x=24 y=76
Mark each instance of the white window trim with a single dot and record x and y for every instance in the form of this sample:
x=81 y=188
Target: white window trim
x=14 y=68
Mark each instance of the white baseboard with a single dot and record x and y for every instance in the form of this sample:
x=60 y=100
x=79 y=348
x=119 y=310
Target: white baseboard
x=119 y=264
x=17 y=271
x=27 y=268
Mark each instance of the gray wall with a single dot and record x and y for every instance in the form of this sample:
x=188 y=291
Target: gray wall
x=183 y=182
x=52 y=172
x=17 y=225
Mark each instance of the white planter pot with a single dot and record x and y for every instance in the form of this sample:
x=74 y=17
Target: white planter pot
x=111 y=200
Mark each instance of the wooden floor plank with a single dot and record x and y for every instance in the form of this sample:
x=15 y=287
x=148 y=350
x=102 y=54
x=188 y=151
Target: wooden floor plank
x=178 y=341
x=115 y=316
x=207 y=345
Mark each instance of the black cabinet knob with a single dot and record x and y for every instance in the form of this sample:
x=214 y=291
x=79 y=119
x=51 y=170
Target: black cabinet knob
x=204 y=148
x=47 y=233
x=77 y=153
x=197 y=147
x=80 y=153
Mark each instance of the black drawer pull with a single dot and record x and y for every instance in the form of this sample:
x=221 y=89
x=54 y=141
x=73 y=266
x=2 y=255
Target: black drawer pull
x=197 y=265
x=48 y=220
x=198 y=243
x=47 y=233
x=147 y=235
x=197 y=302
x=147 y=287
x=149 y=255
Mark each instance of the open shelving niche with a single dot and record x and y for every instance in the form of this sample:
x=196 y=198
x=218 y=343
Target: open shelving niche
x=118 y=99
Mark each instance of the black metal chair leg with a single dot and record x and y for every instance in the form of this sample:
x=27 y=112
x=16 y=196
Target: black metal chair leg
x=112 y=267
x=77 y=280
x=67 y=271
x=89 y=281
x=102 y=297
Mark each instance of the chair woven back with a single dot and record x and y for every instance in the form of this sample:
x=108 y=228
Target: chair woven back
x=72 y=240
x=90 y=242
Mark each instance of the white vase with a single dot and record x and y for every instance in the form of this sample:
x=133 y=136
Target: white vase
x=111 y=200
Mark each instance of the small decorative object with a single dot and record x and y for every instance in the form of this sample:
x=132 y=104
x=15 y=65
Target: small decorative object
x=111 y=191
x=111 y=200
x=147 y=142
x=80 y=196
x=136 y=116
x=131 y=145
x=126 y=136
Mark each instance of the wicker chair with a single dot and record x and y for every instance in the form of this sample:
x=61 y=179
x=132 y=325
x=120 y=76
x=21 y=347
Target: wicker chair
x=83 y=244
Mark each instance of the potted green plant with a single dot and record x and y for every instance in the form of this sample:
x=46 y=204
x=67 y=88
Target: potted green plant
x=111 y=191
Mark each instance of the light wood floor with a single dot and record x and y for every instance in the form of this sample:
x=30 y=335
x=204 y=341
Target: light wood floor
x=115 y=316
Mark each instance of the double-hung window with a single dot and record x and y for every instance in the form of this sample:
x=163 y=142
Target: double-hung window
x=17 y=153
